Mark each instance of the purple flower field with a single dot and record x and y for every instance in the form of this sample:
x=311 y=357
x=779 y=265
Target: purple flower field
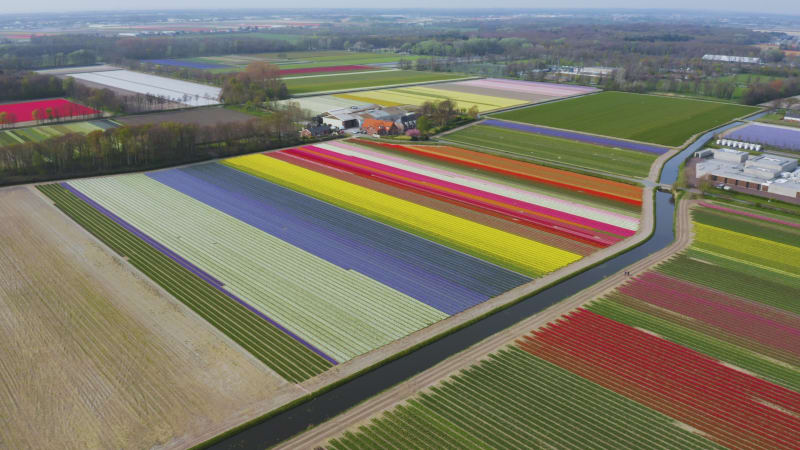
x=189 y=64
x=767 y=135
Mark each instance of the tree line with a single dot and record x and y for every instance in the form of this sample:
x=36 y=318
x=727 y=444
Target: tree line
x=144 y=147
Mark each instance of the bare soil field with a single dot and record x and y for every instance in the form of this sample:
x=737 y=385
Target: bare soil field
x=201 y=116
x=93 y=355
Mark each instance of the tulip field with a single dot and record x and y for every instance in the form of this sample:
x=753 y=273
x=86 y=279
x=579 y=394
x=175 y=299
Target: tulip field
x=486 y=94
x=311 y=256
x=678 y=356
x=46 y=109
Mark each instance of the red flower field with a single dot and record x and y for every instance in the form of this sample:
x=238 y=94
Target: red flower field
x=47 y=109
x=325 y=69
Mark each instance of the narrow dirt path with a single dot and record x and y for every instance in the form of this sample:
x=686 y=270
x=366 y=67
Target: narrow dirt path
x=388 y=399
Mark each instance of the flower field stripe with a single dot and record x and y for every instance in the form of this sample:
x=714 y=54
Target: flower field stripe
x=438 y=276
x=203 y=275
x=751 y=215
x=502 y=248
x=508 y=202
x=740 y=281
x=450 y=207
x=702 y=338
x=189 y=266
x=577 y=227
x=622 y=224
x=580 y=198
x=748 y=263
x=341 y=312
x=575 y=136
x=722 y=402
x=23 y=111
x=743 y=246
x=534 y=87
x=285 y=355
x=438 y=189
x=775 y=136
x=541 y=174
x=770 y=328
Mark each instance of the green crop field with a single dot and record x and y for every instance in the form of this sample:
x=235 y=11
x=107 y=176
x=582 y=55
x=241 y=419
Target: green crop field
x=363 y=80
x=283 y=354
x=520 y=143
x=42 y=132
x=514 y=400
x=647 y=118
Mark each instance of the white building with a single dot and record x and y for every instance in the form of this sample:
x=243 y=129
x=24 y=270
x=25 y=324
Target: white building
x=732 y=59
x=764 y=173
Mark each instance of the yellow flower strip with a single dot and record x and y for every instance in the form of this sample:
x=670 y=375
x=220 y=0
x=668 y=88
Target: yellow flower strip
x=508 y=250
x=749 y=248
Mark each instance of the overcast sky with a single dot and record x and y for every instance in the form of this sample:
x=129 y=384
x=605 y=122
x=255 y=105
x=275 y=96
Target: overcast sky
x=791 y=7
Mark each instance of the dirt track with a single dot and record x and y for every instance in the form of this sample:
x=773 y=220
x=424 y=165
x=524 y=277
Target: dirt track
x=363 y=412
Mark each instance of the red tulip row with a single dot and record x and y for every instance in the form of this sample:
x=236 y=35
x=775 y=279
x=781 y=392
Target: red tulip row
x=577 y=228
x=731 y=407
x=532 y=172
x=488 y=218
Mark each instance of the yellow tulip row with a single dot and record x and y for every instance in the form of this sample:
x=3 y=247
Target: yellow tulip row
x=508 y=250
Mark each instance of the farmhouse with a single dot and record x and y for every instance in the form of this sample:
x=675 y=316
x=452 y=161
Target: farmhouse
x=793 y=115
x=356 y=117
x=380 y=127
x=765 y=173
x=732 y=59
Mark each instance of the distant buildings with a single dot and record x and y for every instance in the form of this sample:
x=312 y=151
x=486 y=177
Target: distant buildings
x=732 y=59
x=793 y=115
x=755 y=174
x=371 y=119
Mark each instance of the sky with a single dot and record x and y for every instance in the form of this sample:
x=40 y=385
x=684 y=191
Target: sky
x=791 y=7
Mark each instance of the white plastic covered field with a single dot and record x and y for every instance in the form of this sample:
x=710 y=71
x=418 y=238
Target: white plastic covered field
x=191 y=94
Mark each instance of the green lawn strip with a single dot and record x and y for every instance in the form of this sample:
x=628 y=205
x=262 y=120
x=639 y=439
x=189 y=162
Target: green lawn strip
x=748 y=225
x=624 y=162
x=716 y=348
x=351 y=81
x=734 y=282
x=270 y=345
x=647 y=118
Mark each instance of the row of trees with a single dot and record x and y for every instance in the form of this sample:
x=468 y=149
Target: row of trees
x=764 y=92
x=142 y=147
x=28 y=85
x=260 y=82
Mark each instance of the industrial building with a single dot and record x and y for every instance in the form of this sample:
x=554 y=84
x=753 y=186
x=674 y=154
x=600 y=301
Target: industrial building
x=793 y=115
x=763 y=173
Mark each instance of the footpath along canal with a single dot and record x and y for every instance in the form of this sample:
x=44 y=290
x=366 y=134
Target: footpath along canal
x=326 y=406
